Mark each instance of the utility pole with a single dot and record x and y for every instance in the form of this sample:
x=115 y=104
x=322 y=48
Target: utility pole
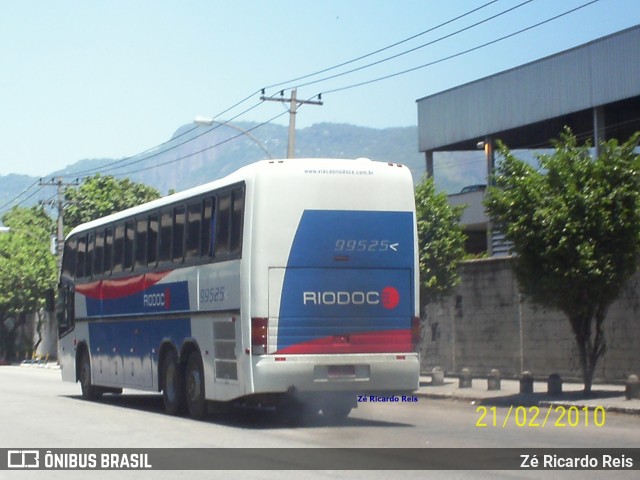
x=59 y=204
x=294 y=103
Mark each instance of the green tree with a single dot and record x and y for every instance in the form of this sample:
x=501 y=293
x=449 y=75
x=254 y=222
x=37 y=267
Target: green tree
x=27 y=271
x=440 y=240
x=575 y=228
x=102 y=195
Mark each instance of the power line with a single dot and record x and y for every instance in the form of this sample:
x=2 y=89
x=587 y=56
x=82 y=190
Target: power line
x=107 y=168
x=59 y=204
x=464 y=52
x=294 y=103
x=406 y=52
x=203 y=149
x=19 y=195
x=122 y=160
x=348 y=62
x=123 y=163
x=380 y=50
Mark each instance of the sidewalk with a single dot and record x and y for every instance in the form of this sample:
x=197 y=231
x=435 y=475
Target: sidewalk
x=610 y=397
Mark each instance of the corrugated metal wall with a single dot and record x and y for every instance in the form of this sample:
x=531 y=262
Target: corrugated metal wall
x=597 y=73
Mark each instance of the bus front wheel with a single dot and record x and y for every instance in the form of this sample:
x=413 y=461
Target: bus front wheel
x=196 y=402
x=89 y=392
x=173 y=386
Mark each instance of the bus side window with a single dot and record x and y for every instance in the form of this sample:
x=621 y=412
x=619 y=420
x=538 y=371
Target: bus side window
x=208 y=227
x=82 y=253
x=178 y=233
x=224 y=225
x=98 y=254
x=236 y=221
x=108 y=249
x=69 y=258
x=166 y=228
x=152 y=240
x=129 y=230
x=194 y=221
x=65 y=308
x=141 y=242
x=118 y=248
x=91 y=243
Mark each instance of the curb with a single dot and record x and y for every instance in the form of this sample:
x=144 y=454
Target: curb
x=524 y=401
x=35 y=364
x=607 y=408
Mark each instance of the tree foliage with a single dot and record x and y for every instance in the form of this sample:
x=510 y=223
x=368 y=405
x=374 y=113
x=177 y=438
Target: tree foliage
x=27 y=271
x=440 y=240
x=102 y=195
x=575 y=228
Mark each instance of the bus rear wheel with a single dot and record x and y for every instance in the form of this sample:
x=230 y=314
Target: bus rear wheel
x=173 y=385
x=196 y=402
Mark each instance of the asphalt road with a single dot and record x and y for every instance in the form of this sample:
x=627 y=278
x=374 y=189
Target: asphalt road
x=38 y=410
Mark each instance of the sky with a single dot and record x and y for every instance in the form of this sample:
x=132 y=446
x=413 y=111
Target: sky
x=110 y=79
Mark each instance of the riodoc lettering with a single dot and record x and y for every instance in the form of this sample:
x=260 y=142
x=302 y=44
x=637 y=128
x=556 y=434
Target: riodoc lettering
x=389 y=298
x=153 y=300
x=341 y=298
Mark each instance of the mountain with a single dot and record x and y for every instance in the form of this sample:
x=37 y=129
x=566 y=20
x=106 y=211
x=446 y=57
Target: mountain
x=197 y=154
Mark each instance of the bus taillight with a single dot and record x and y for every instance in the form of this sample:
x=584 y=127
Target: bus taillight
x=259 y=327
x=415 y=333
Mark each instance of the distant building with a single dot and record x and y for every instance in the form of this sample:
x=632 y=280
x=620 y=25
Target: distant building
x=594 y=89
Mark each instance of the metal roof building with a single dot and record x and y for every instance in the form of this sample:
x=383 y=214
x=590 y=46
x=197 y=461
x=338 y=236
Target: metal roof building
x=593 y=88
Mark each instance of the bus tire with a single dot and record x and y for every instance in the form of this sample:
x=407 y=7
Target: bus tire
x=194 y=387
x=89 y=392
x=173 y=384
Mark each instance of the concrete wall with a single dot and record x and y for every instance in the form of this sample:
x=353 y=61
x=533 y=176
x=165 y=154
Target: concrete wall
x=487 y=324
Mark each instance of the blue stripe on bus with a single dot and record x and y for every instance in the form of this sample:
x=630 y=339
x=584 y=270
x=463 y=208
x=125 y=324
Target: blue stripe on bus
x=369 y=239
x=158 y=298
x=136 y=339
x=348 y=272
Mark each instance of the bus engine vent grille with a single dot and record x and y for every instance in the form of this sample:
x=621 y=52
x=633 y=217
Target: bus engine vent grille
x=224 y=346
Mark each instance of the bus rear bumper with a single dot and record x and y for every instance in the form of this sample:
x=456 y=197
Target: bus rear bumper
x=358 y=373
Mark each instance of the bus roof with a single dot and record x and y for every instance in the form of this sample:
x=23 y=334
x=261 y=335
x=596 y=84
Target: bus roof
x=307 y=165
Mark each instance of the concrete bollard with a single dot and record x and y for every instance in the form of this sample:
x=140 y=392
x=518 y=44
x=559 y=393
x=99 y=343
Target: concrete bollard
x=526 y=382
x=632 y=387
x=437 y=376
x=493 y=380
x=554 y=384
x=465 y=378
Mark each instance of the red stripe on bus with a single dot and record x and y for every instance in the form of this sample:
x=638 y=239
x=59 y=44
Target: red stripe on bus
x=121 y=287
x=387 y=341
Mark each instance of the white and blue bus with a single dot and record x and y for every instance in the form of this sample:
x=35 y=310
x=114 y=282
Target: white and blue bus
x=290 y=283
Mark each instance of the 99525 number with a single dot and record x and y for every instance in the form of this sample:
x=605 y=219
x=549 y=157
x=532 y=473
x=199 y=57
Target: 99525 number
x=353 y=245
x=212 y=294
